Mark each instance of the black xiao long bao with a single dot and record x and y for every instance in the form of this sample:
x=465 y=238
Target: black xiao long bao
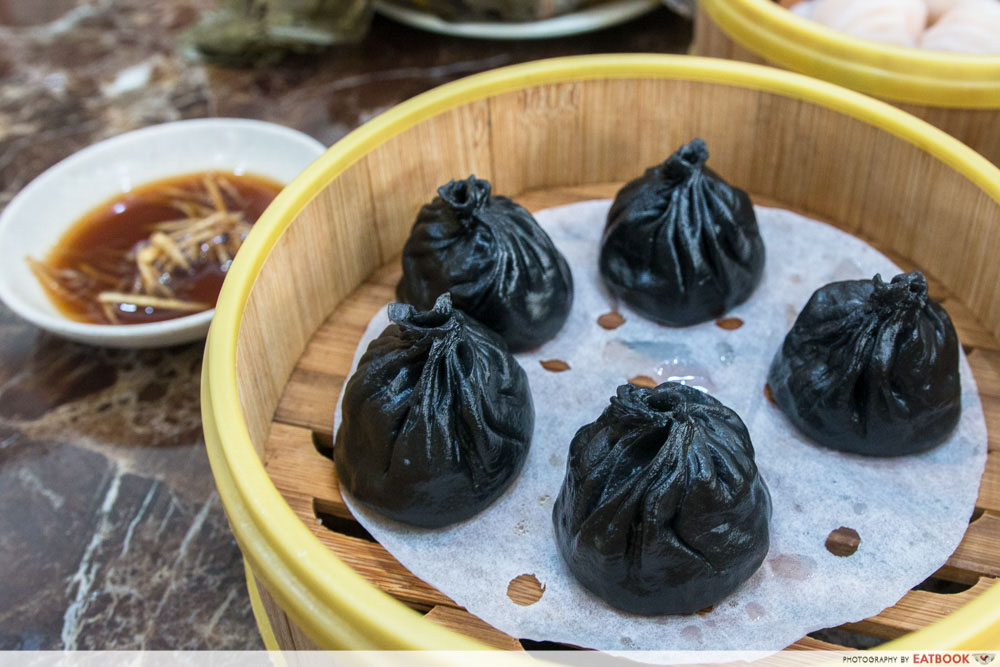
x=662 y=510
x=681 y=246
x=871 y=367
x=437 y=418
x=498 y=263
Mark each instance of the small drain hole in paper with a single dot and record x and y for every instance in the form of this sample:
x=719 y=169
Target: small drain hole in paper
x=525 y=590
x=554 y=365
x=843 y=542
x=611 y=320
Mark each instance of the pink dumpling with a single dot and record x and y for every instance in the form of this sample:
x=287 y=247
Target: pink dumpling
x=972 y=26
x=895 y=21
x=938 y=8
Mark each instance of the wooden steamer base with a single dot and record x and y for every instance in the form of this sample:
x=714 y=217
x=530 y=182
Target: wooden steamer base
x=297 y=453
x=324 y=257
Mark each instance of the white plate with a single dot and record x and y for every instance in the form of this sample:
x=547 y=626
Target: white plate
x=39 y=215
x=587 y=20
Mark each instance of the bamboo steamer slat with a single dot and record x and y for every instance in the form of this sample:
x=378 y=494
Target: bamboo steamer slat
x=324 y=258
x=958 y=93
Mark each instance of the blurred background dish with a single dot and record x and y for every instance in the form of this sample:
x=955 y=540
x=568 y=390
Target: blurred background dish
x=516 y=25
x=957 y=92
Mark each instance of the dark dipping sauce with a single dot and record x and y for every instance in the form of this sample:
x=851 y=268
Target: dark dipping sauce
x=98 y=254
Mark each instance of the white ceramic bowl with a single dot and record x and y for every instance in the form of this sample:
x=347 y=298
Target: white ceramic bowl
x=38 y=216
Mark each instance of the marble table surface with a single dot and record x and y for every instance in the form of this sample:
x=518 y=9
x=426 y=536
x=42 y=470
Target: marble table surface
x=111 y=531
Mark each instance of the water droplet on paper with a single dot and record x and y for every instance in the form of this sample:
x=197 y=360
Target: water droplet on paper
x=792 y=566
x=791 y=314
x=694 y=377
x=659 y=350
x=691 y=633
x=671 y=362
x=847 y=269
x=674 y=362
x=726 y=353
x=754 y=611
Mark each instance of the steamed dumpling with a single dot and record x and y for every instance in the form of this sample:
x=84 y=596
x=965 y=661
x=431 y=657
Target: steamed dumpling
x=662 y=510
x=437 y=418
x=938 y=8
x=971 y=26
x=500 y=267
x=893 y=21
x=681 y=245
x=871 y=368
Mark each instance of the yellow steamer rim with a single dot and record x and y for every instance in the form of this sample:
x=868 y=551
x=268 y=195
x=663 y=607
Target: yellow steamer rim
x=325 y=597
x=902 y=74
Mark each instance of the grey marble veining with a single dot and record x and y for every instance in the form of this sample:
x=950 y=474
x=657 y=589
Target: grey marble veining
x=111 y=531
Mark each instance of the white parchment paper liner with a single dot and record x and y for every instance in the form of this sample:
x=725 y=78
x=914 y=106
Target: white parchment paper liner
x=910 y=512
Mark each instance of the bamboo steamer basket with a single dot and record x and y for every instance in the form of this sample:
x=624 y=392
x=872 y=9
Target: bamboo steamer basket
x=324 y=257
x=958 y=93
